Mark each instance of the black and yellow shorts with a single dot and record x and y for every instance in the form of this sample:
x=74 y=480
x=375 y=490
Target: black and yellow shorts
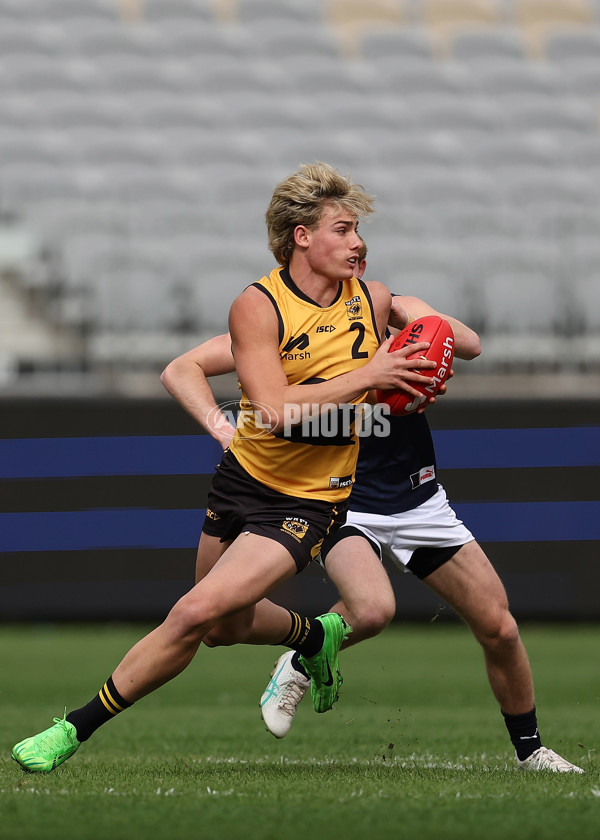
x=237 y=502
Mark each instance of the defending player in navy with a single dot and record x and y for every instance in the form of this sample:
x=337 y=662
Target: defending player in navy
x=397 y=508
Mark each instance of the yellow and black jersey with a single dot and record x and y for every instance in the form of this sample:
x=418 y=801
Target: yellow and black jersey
x=315 y=458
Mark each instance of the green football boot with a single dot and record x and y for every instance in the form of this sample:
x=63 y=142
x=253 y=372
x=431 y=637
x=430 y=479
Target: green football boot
x=323 y=668
x=42 y=753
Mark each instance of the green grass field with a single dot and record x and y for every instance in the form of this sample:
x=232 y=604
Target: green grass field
x=415 y=747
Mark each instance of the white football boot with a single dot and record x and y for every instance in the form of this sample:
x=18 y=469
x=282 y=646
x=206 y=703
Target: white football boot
x=282 y=696
x=545 y=759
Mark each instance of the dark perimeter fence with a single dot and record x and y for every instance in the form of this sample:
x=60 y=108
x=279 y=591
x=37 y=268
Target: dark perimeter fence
x=103 y=504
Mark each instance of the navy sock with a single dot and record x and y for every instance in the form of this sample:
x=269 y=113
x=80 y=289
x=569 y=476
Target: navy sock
x=523 y=731
x=297 y=664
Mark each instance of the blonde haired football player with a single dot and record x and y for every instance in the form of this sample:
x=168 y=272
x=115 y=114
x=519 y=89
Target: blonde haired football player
x=258 y=532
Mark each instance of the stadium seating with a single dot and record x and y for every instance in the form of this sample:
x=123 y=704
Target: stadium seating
x=142 y=150
x=476 y=46
x=506 y=79
x=564 y=117
x=463 y=116
x=41 y=75
x=34 y=40
x=469 y=221
x=352 y=20
x=566 y=46
x=582 y=78
x=528 y=188
x=300 y=43
x=448 y=17
x=73 y=110
x=581 y=259
x=101 y=39
x=517 y=150
x=416 y=81
x=585 y=308
x=561 y=222
x=434 y=272
x=159 y=11
x=540 y=18
x=260 y=15
x=539 y=303
x=411 y=44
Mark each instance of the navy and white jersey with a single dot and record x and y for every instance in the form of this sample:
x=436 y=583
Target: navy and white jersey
x=396 y=472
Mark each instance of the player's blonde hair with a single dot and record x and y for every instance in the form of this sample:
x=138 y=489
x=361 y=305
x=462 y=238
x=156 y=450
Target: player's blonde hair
x=301 y=199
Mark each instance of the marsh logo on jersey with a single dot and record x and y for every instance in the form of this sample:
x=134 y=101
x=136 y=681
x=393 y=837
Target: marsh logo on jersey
x=295 y=527
x=340 y=481
x=300 y=343
x=354 y=308
x=424 y=475
x=211 y=514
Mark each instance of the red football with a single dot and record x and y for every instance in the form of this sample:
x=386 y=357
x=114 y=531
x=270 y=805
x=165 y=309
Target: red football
x=438 y=333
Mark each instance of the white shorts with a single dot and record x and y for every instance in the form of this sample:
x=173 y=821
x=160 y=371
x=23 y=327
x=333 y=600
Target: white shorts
x=430 y=525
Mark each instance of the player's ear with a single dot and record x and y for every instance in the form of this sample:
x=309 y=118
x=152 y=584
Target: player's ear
x=301 y=236
x=362 y=266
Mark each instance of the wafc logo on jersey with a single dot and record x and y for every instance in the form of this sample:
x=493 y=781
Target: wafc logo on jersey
x=354 y=308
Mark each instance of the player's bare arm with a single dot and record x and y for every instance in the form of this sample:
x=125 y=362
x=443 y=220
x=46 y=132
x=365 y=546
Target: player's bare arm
x=185 y=378
x=467 y=342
